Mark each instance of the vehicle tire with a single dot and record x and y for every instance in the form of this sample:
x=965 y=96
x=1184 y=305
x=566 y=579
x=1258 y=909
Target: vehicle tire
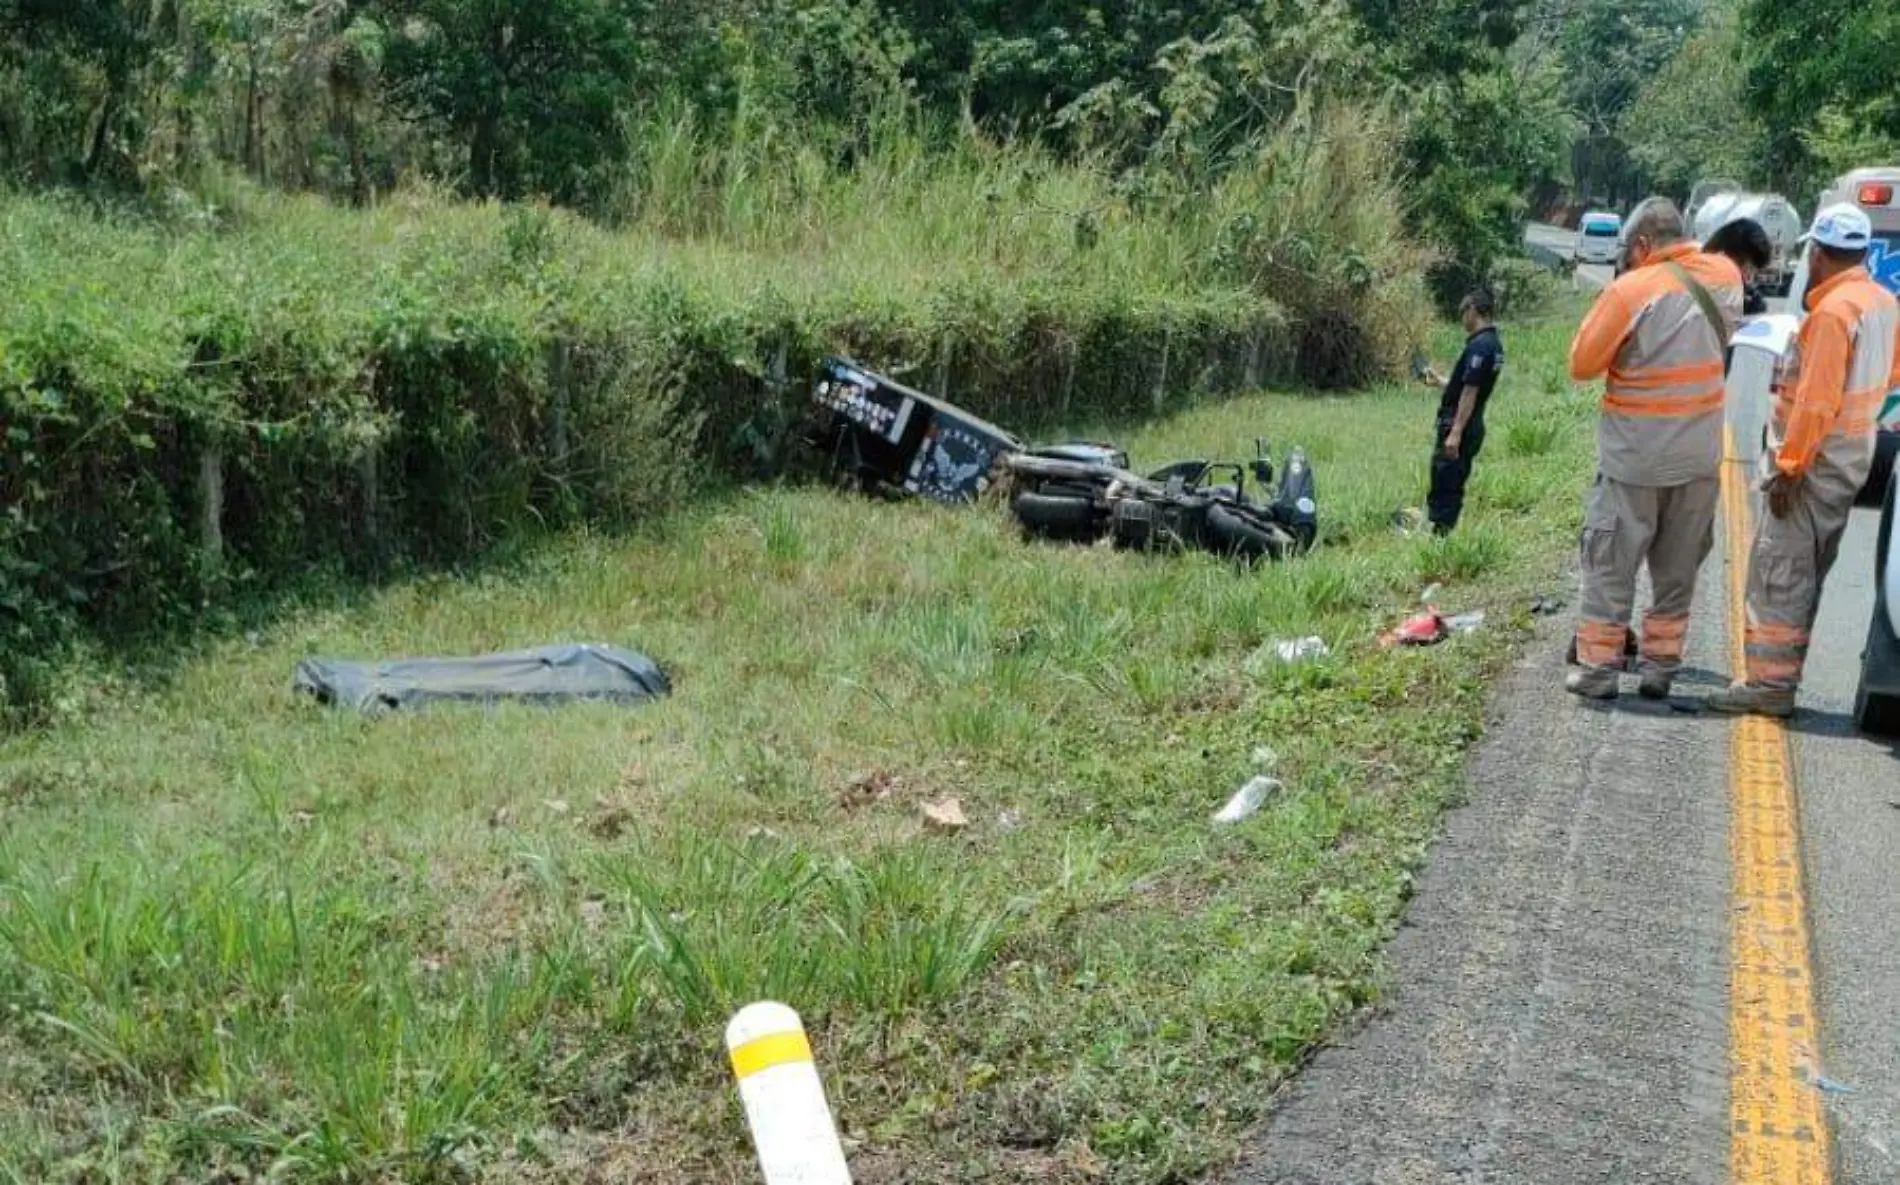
x=1876 y=708
x=1876 y=715
x=1056 y=516
x=1232 y=533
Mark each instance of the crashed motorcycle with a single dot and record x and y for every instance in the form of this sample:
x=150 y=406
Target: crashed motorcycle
x=1084 y=493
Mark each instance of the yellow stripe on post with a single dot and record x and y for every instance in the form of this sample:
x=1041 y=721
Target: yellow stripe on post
x=774 y=1049
x=793 y=1130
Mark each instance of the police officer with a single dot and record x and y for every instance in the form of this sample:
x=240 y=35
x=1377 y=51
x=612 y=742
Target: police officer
x=1460 y=426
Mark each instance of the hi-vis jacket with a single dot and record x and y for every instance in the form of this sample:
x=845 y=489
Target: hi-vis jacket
x=1662 y=402
x=1843 y=364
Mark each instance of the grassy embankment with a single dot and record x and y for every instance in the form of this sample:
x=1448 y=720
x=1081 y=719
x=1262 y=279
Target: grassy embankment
x=236 y=930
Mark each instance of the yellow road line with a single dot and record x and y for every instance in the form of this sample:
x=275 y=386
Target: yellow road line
x=1778 y=1128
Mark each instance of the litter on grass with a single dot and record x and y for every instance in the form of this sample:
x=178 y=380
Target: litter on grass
x=1248 y=800
x=1431 y=627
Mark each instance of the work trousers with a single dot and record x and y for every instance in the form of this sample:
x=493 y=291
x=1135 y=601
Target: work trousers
x=1670 y=528
x=1445 y=504
x=1787 y=566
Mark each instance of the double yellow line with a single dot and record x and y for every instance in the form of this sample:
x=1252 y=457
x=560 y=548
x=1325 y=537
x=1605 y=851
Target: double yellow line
x=1778 y=1129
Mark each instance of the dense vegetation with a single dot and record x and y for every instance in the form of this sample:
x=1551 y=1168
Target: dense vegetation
x=1065 y=208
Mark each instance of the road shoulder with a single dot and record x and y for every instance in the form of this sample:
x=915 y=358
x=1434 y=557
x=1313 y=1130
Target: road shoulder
x=1559 y=1008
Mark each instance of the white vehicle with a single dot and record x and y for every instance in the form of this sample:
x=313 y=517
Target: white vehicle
x=1761 y=349
x=1877 y=700
x=1774 y=214
x=1705 y=190
x=1598 y=236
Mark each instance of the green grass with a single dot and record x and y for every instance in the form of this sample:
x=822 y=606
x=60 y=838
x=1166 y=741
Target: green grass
x=241 y=932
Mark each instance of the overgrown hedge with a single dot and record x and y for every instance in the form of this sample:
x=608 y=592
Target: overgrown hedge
x=189 y=414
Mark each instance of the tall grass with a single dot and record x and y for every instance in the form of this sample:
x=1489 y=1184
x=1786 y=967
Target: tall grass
x=428 y=378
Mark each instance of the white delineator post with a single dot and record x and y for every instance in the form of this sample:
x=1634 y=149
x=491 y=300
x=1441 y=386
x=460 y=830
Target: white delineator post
x=792 y=1128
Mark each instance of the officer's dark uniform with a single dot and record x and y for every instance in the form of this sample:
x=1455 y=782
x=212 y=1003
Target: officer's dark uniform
x=1479 y=366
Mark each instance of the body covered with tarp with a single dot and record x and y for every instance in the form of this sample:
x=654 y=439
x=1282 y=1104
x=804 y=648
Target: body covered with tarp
x=548 y=675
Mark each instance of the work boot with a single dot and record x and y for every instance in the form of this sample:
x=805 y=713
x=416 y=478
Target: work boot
x=1599 y=683
x=1743 y=699
x=1657 y=683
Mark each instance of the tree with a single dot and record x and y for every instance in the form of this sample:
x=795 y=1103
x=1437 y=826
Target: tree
x=1609 y=52
x=1822 y=62
x=1692 y=120
x=532 y=89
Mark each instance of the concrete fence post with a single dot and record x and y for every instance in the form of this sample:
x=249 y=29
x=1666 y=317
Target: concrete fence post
x=211 y=505
x=792 y=1129
x=369 y=481
x=1161 y=375
x=560 y=403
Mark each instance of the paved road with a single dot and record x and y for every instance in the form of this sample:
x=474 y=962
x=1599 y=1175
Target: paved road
x=1590 y=277
x=1559 y=1014
x=1560 y=1006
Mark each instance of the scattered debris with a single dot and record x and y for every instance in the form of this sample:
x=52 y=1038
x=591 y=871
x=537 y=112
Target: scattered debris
x=865 y=789
x=761 y=833
x=1265 y=758
x=610 y=820
x=556 y=806
x=1009 y=821
x=303 y=817
x=1547 y=605
x=1294 y=650
x=1465 y=623
x=1827 y=1085
x=1424 y=629
x=881 y=436
x=1248 y=800
x=500 y=817
x=944 y=815
x=594 y=912
x=1429 y=598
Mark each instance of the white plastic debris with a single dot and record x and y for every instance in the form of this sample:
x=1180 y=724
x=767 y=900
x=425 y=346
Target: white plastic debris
x=1264 y=757
x=1248 y=800
x=1293 y=650
x=1465 y=623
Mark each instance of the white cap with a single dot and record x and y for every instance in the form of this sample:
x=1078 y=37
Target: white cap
x=1842 y=225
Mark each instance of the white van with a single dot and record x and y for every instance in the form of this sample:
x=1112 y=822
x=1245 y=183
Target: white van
x=1598 y=236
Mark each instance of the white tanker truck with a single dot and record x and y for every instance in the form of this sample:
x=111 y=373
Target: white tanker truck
x=1775 y=214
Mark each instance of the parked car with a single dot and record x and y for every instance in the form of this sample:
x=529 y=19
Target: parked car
x=1597 y=237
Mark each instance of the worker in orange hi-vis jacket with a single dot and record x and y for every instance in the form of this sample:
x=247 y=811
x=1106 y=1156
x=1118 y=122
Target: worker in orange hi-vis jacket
x=1659 y=333
x=1843 y=366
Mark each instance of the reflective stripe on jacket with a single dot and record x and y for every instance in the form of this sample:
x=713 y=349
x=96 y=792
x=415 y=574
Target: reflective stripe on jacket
x=1663 y=395
x=1844 y=363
